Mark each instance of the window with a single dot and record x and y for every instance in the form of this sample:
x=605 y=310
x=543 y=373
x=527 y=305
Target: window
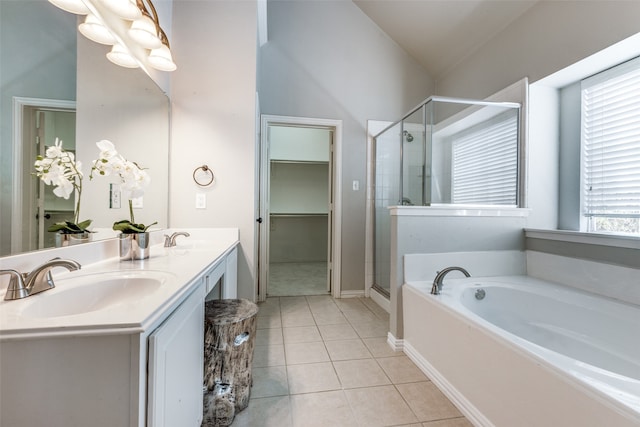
x=485 y=162
x=610 y=139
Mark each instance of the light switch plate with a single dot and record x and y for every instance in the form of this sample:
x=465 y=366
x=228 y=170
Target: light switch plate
x=201 y=201
x=356 y=185
x=114 y=196
x=137 y=203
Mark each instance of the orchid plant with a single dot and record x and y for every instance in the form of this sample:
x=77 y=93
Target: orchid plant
x=133 y=181
x=59 y=167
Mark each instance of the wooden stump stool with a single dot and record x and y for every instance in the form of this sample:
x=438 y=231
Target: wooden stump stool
x=229 y=338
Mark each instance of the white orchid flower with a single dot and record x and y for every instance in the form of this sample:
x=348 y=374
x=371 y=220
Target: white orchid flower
x=43 y=165
x=64 y=189
x=54 y=174
x=136 y=182
x=60 y=169
x=133 y=180
x=107 y=167
x=107 y=149
x=55 y=150
x=79 y=169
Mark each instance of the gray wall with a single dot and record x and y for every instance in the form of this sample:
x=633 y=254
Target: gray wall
x=298 y=239
x=35 y=64
x=550 y=36
x=569 y=157
x=326 y=59
x=213 y=95
x=542 y=157
x=621 y=256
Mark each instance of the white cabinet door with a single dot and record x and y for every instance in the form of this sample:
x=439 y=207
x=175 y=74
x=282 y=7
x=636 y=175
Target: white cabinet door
x=175 y=366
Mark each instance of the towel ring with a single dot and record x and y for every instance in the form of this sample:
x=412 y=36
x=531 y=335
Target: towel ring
x=206 y=170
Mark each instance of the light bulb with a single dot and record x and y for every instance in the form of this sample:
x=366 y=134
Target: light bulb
x=126 y=9
x=73 y=6
x=144 y=32
x=93 y=29
x=119 y=55
x=160 y=59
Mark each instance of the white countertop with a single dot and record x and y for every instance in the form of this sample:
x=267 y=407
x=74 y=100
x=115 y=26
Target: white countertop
x=178 y=268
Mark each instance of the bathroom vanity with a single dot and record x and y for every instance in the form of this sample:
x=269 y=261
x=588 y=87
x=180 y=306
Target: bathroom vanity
x=115 y=343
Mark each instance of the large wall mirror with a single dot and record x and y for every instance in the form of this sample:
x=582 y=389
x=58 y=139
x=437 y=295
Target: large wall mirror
x=56 y=83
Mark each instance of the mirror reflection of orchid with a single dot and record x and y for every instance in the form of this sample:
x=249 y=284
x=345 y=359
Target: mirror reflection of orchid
x=59 y=168
x=133 y=181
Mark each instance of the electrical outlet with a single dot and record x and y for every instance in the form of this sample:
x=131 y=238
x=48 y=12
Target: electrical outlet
x=114 y=196
x=201 y=201
x=137 y=203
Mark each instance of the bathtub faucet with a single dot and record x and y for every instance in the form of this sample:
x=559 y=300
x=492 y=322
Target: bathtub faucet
x=437 y=282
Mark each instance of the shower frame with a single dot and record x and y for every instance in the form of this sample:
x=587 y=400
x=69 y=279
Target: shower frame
x=428 y=117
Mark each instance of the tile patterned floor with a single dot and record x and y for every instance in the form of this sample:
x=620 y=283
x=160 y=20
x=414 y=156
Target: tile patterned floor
x=325 y=362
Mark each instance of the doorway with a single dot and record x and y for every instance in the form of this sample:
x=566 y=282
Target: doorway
x=299 y=249
x=37 y=123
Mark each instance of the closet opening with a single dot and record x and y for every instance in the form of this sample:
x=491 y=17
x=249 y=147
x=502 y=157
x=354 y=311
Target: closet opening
x=298 y=218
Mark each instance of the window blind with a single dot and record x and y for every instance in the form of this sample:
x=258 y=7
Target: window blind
x=485 y=163
x=611 y=142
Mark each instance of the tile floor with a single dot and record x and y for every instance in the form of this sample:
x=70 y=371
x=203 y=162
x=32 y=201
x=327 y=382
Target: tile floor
x=325 y=362
x=297 y=278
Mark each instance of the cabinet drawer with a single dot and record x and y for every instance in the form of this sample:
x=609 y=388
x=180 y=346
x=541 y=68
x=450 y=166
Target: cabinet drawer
x=214 y=275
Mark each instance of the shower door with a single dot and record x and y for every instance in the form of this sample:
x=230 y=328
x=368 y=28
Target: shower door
x=387 y=154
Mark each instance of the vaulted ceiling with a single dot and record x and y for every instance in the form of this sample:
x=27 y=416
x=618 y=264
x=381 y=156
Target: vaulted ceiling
x=441 y=33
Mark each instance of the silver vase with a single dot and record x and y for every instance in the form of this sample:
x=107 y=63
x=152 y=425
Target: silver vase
x=70 y=239
x=134 y=246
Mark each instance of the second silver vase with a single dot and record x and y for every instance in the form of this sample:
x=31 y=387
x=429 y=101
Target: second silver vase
x=134 y=246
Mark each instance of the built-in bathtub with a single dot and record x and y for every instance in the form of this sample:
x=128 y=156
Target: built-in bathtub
x=514 y=350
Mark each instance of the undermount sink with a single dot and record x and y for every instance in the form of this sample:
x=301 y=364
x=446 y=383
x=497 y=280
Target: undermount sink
x=193 y=244
x=93 y=292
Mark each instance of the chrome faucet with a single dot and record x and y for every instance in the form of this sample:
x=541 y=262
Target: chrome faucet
x=170 y=241
x=437 y=282
x=39 y=280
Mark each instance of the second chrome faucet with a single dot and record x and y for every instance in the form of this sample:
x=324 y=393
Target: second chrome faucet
x=170 y=241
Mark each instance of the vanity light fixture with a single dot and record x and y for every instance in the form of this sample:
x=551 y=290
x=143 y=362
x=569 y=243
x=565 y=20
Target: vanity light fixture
x=144 y=31
x=161 y=59
x=120 y=55
x=142 y=28
x=93 y=29
x=125 y=9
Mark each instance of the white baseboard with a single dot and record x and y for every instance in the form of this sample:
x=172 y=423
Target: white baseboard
x=394 y=343
x=352 y=294
x=379 y=299
x=472 y=413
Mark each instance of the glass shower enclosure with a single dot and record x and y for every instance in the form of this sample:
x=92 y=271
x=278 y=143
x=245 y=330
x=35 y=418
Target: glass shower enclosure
x=445 y=152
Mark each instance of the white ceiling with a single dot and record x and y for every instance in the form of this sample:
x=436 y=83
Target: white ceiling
x=441 y=33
